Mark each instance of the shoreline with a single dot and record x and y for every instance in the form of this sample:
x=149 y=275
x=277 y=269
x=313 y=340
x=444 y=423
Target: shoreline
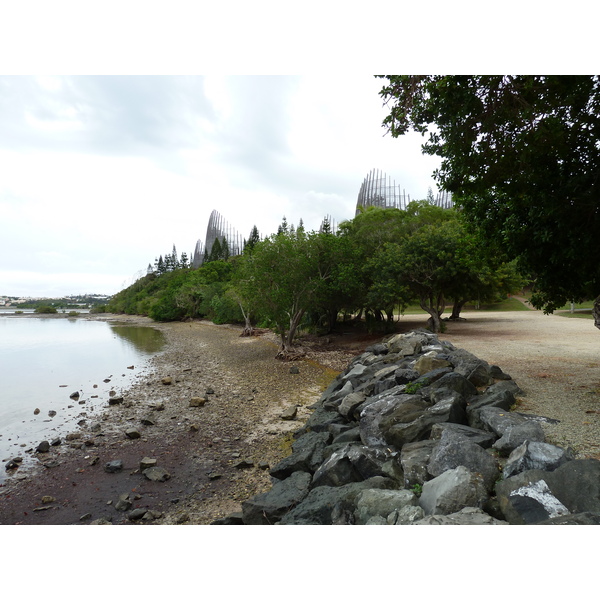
x=216 y=455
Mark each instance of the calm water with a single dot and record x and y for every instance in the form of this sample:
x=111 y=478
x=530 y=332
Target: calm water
x=44 y=360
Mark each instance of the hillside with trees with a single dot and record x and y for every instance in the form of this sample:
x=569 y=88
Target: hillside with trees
x=367 y=271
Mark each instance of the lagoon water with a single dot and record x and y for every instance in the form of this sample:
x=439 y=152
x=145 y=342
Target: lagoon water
x=44 y=360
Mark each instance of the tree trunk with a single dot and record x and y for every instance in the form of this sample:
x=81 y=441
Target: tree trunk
x=456 y=308
x=286 y=349
x=435 y=308
x=596 y=312
x=248 y=330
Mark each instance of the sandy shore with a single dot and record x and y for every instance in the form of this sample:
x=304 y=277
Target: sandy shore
x=218 y=454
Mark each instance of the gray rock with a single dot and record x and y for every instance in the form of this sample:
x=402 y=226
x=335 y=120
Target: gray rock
x=531 y=502
x=412 y=421
x=535 y=455
x=454 y=450
x=350 y=403
x=406 y=515
x=136 y=514
x=494 y=419
x=327 y=505
x=289 y=414
x=452 y=491
x=147 y=462
x=467 y=516
x=156 y=474
x=133 y=434
x=43 y=447
x=414 y=459
x=376 y=502
x=372 y=415
x=519 y=434
x=350 y=464
x=485 y=439
x=405 y=344
x=124 y=503
x=114 y=400
x=270 y=507
x=574 y=487
x=452 y=381
x=307 y=455
x=114 y=466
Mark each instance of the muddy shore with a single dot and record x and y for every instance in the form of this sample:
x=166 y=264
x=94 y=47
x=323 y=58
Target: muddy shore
x=216 y=454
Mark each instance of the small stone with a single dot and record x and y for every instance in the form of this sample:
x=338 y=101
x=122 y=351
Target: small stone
x=146 y=463
x=214 y=476
x=48 y=499
x=133 y=434
x=148 y=421
x=112 y=393
x=294 y=370
x=114 y=466
x=159 y=406
x=115 y=400
x=194 y=427
x=74 y=395
x=136 y=514
x=43 y=447
x=11 y=464
x=156 y=474
x=85 y=517
x=166 y=380
x=244 y=464
x=210 y=391
x=131 y=367
x=72 y=436
x=197 y=401
x=263 y=465
x=123 y=503
x=289 y=414
x=51 y=413
x=56 y=442
x=36 y=411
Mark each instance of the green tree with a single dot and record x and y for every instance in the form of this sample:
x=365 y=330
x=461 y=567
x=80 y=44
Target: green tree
x=279 y=280
x=521 y=155
x=253 y=239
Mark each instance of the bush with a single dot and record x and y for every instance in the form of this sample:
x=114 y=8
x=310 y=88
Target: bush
x=46 y=310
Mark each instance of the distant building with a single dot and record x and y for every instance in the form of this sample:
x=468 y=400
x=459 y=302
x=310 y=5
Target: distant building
x=378 y=189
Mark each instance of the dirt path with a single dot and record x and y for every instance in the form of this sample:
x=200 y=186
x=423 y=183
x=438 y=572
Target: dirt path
x=554 y=359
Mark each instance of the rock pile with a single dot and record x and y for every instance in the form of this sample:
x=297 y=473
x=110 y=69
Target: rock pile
x=416 y=431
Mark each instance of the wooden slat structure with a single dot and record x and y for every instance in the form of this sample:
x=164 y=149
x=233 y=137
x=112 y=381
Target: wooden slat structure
x=378 y=189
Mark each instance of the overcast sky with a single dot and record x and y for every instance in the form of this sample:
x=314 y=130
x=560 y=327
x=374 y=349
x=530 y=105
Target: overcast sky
x=102 y=174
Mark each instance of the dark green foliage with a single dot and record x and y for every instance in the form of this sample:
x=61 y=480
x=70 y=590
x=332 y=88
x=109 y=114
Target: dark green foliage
x=521 y=155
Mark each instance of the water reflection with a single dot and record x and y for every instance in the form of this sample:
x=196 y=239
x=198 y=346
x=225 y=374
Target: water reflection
x=143 y=339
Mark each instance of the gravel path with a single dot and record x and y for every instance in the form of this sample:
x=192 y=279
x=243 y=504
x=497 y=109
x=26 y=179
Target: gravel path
x=554 y=359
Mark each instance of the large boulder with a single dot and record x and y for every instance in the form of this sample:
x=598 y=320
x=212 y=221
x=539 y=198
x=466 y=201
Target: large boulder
x=351 y=463
x=414 y=459
x=307 y=455
x=452 y=491
x=529 y=431
x=374 y=502
x=485 y=439
x=413 y=420
x=454 y=450
x=270 y=507
x=327 y=505
x=535 y=455
x=535 y=496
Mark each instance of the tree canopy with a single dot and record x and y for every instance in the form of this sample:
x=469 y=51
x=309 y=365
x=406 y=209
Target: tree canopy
x=521 y=155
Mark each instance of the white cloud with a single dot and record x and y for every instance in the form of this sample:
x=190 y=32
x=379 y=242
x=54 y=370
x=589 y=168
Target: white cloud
x=102 y=174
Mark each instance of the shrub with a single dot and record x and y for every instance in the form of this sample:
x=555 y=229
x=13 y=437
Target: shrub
x=46 y=310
